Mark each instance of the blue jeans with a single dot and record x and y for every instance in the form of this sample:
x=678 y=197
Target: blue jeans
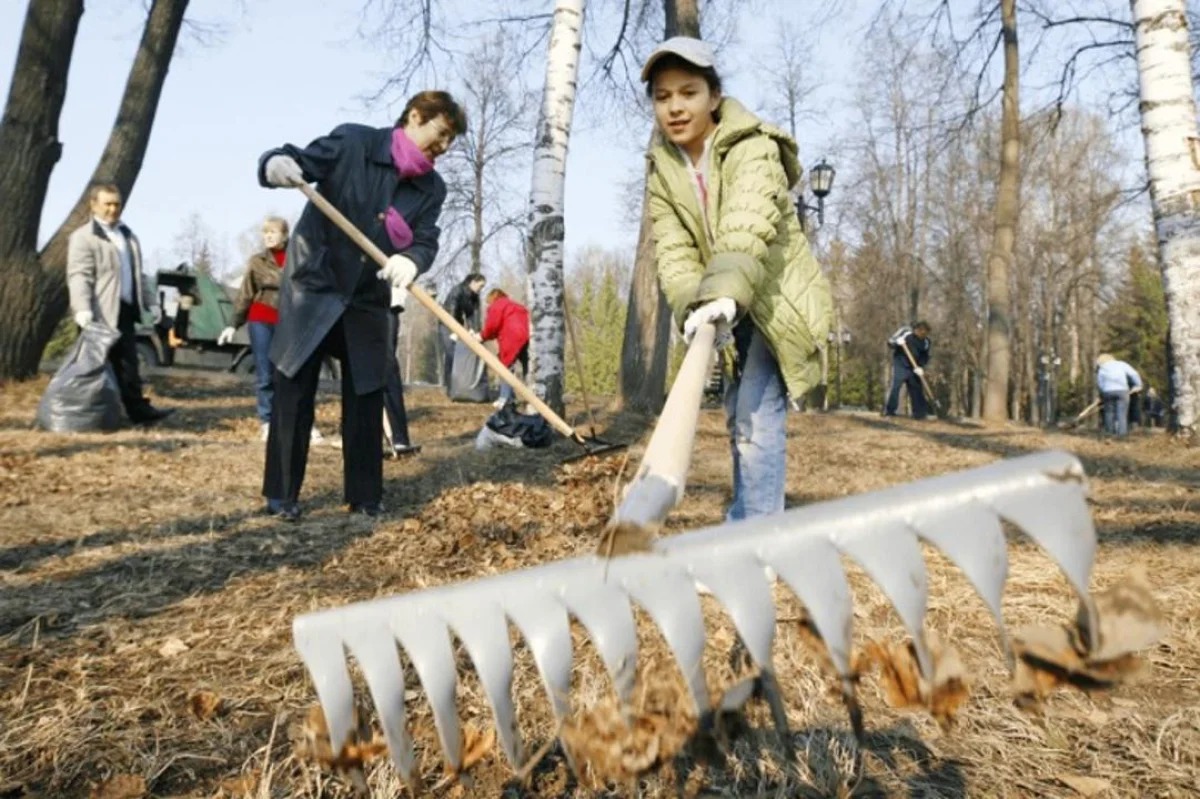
x=756 y=410
x=261 y=334
x=506 y=391
x=1116 y=412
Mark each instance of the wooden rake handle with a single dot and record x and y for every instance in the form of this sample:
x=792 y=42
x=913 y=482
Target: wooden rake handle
x=443 y=316
x=921 y=377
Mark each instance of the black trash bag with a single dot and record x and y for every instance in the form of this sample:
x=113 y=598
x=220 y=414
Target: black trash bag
x=83 y=395
x=508 y=427
x=468 y=378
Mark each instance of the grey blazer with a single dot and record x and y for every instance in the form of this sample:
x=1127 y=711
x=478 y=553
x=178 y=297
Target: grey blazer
x=94 y=272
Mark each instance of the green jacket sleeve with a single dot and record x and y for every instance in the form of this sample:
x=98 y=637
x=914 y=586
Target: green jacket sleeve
x=678 y=257
x=753 y=181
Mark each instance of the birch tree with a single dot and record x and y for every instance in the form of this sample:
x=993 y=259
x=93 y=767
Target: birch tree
x=1168 y=111
x=544 y=252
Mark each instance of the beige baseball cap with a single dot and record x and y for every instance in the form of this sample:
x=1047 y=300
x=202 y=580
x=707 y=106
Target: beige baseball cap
x=694 y=51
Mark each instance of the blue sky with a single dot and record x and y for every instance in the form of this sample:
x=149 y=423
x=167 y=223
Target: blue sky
x=289 y=70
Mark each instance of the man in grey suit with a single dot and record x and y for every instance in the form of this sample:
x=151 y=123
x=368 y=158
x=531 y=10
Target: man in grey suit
x=104 y=278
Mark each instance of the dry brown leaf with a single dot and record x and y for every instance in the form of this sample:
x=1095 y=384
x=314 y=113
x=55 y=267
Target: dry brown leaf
x=905 y=687
x=361 y=747
x=1084 y=786
x=476 y=745
x=1130 y=619
x=1050 y=657
x=205 y=704
x=121 y=786
x=172 y=647
x=623 y=539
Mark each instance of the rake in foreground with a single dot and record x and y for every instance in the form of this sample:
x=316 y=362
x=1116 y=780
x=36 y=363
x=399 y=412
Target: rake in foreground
x=960 y=514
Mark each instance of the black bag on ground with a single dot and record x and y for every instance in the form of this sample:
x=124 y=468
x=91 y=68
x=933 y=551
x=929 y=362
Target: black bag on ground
x=530 y=429
x=468 y=380
x=83 y=395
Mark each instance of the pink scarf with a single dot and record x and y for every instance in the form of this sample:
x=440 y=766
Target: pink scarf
x=410 y=162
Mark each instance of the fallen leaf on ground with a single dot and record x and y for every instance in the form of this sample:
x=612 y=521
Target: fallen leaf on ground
x=476 y=745
x=172 y=647
x=1129 y=619
x=205 y=704
x=121 y=786
x=905 y=687
x=1084 y=786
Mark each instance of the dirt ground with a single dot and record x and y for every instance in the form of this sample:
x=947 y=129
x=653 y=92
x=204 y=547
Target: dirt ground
x=146 y=608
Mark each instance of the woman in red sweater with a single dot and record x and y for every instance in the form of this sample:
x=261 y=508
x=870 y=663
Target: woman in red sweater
x=508 y=322
x=256 y=306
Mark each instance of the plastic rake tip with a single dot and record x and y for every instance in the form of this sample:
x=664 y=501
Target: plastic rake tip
x=961 y=514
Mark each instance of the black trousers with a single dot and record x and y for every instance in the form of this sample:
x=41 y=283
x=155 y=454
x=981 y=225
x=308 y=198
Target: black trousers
x=292 y=411
x=903 y=375
x=124 y=360
x=393 y=391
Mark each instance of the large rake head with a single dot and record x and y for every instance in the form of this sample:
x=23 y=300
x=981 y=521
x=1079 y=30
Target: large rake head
x=960 y=514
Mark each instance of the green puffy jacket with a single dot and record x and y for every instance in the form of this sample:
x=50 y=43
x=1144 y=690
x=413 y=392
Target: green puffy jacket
x=760 y=257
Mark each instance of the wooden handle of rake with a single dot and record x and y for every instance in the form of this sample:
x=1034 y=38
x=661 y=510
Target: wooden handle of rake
x=920 y=376
x=443 y=316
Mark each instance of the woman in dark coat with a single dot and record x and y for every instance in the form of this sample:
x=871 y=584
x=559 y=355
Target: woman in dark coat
x=334 y=300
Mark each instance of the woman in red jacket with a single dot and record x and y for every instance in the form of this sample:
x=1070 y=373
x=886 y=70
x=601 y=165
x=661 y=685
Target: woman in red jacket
x=508 y=322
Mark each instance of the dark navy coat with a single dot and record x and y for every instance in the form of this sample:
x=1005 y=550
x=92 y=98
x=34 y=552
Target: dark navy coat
x=327 y=277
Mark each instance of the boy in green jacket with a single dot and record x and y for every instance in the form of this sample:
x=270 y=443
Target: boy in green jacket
x=731 y=252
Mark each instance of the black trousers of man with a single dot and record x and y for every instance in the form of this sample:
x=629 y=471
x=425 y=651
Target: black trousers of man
x=124 y=360
x=292 y=412
x=393 y=390
x=903 y=375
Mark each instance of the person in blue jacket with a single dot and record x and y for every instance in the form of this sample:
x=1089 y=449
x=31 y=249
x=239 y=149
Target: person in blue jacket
x=1115 y=380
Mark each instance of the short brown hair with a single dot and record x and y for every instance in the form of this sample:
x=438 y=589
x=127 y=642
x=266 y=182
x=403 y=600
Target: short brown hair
x=432 y=104
x=97 y=189
x=495 y=294
x=276 y=223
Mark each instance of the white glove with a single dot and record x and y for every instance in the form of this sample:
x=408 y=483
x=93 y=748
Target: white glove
x=226 y=336
x=713 y=312
x=454 y=337
x=282 y=170
x=400 y=271
x=83 y=318
x=477 y=335
x=920 y=372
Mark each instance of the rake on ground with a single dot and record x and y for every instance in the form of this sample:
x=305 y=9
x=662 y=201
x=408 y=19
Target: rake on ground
x=960 y=514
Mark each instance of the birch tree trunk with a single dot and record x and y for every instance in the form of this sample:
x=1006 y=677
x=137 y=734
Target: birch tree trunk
x=999 y=332
x=647 y=339
x=1168 y=112
x=544 y=252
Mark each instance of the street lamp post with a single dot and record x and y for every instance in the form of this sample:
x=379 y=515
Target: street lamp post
x=837 y=339
x=821 y=179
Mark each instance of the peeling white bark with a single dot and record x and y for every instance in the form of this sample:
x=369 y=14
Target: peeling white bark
x=544 y=252
x=1168 y=111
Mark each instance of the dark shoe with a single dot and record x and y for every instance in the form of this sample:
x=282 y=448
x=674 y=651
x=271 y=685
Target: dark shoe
x=148 y=414
x=371 y=509
x=284 y=511
x=405 y=450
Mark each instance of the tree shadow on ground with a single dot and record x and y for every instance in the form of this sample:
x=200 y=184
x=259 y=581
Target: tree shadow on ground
x=1003 y=445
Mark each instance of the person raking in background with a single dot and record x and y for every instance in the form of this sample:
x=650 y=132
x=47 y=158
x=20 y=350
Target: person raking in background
x=916 y=339
x=462 y=302
x=104 y=281
x=256 y=305
x=393 y=391
x=730 y=252
x=508 y=323
x=1115 y=379
x=333 y=300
